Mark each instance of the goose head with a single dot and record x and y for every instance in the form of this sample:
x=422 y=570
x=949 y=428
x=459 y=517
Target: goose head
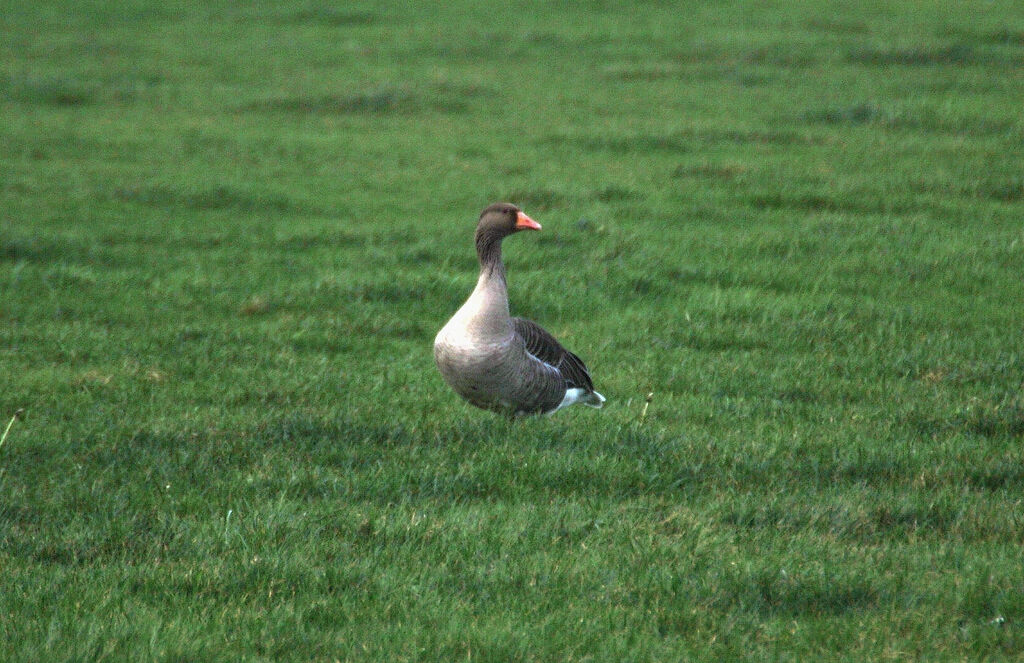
x=497 y=222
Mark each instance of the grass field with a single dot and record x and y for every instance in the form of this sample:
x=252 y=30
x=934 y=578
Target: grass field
x=229 y=233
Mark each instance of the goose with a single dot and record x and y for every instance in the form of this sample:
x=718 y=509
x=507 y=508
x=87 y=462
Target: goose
x=500 y=363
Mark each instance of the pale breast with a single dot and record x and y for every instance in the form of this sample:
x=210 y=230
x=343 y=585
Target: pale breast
x=476 y=369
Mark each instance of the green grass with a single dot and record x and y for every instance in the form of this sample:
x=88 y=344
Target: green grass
x=228 y=234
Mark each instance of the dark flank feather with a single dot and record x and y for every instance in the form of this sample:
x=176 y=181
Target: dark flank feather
x=543 y=346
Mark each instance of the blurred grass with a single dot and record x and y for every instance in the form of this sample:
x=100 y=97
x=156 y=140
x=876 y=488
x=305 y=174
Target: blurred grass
x=229 y=232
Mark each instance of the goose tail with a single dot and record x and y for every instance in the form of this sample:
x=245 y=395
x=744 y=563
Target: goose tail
x=593 y=399
x=580 y=395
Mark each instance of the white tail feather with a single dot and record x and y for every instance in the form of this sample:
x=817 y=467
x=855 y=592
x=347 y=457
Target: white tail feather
x=593 y=399
x=578 y=395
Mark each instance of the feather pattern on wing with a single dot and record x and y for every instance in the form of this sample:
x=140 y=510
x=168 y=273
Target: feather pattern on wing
x=544 y=347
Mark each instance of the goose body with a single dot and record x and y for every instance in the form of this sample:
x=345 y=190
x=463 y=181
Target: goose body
x=498 y=362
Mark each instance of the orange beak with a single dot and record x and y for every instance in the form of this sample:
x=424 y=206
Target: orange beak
x=524 y=222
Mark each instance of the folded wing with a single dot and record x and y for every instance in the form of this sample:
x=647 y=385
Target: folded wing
x=544 y=347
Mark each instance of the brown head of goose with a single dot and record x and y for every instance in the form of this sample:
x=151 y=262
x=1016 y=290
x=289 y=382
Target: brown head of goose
x=502 y=363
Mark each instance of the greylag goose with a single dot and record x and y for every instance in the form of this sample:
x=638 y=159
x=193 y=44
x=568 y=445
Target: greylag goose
x=498 y=362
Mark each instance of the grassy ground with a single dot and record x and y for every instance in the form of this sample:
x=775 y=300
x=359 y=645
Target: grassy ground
x=229 y=233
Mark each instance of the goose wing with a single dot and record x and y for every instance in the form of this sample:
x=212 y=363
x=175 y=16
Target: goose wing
x=545 y=348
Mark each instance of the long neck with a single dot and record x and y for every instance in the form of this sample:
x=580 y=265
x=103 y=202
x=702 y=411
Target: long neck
x=488 y=250
x=487 y=306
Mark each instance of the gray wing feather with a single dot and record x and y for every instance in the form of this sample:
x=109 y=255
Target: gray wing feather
x=543 y=346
